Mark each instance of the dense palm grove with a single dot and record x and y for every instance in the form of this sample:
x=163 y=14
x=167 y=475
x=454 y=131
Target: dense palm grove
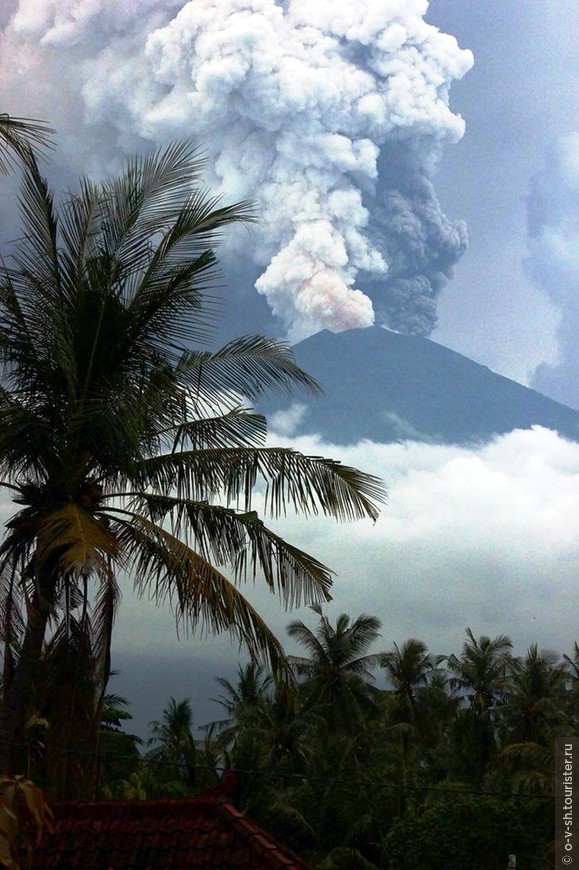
x=450 y=766
x=126 y=446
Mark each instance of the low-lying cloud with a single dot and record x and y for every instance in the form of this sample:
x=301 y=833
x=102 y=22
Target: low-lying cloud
x=484 y=537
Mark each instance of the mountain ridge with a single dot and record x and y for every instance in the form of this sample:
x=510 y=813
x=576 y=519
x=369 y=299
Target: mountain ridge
x=385 y=386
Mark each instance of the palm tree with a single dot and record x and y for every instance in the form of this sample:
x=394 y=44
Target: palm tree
x=173 y=744
x=238 y=741
x=408 y=669
x=126 y=447
x=535 y=713
x=536 y=698
x=573 y=663
x=572 y=667
x=244 y=702
x=70 y=697
x=117 y=752
x=480 y=677
x=284 y=729
x=480 y=673
x=338 y=669
x=19 y=137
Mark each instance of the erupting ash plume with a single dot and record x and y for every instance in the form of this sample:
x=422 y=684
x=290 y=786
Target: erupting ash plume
x=553 y=259
x=330 y=114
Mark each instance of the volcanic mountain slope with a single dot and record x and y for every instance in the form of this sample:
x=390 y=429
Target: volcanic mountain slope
x=386 y=387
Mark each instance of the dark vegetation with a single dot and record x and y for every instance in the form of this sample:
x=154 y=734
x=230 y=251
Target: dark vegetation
x=450 y=767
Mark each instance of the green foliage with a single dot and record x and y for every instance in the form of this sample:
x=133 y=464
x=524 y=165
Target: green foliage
x=343 y=858
x=24 y=816
x=537 y=696
x=337 y=671
x=463 y=831
x=173 y=746
x=382 y=791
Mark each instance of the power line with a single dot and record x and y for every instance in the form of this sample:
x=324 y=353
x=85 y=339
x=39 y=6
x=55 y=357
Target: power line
x=299 y=777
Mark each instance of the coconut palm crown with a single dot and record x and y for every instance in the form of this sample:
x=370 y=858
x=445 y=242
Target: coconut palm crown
x=408 y=669
x=339 y=667
x=480 y=673
x=124 y=445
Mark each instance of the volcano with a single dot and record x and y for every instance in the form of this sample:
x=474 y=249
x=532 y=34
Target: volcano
x=386 y=387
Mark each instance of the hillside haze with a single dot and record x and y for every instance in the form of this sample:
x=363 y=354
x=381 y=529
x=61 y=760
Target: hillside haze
x=385 y=386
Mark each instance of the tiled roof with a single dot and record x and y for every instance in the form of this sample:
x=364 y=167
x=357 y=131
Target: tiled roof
x=188 y=834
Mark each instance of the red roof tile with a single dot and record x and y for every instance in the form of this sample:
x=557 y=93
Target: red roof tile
x=187 y=834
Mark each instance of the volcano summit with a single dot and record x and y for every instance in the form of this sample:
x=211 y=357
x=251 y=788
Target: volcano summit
x=385 y=387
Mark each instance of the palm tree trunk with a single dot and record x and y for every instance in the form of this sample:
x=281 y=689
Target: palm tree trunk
x=19 y=693
x=105 y=675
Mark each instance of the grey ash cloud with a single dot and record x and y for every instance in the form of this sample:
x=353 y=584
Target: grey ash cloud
x=418 y=241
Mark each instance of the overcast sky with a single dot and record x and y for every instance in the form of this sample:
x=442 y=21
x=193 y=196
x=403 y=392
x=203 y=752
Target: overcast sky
x=367 y=138
x=520 y=101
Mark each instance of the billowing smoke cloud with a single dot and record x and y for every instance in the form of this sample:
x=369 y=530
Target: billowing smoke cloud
x=331 y=115
x=553 y=260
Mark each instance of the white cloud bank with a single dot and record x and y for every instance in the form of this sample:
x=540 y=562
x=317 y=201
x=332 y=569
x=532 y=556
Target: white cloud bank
x=484 y=537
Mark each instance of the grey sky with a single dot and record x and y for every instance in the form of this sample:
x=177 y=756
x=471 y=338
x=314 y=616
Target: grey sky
x=521 y=95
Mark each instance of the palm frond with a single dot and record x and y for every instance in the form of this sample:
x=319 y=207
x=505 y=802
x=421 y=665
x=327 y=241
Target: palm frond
x=37 y=257
x=183 y=252
x=26 y=442
x=159 y=233
x=363 y=632
x=167 y=569
x=363 y=666
x=12 y=623
x=308 y=484
x=103 y=618
x=147 y=196
x=80 y=541
x=19 y=137
x=236 y=427
x=305 y=636
x=80 y=222
x=19 y=348
x=243 y=543
x=252 y=366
